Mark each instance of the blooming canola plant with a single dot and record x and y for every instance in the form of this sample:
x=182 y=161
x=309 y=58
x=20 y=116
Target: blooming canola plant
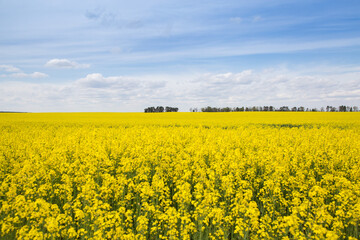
x=180 y=175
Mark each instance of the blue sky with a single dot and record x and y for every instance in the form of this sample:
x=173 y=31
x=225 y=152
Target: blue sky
x=128 y=55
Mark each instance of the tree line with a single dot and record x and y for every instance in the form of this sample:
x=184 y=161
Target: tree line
x=341 y=108
x=160 y=109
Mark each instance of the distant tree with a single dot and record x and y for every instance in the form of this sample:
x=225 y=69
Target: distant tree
x=149 y=110
x=160 y=109
x=238 y=109
x=284 y=109
x=255 y=109
x=206 y=109
x=171 y=109
x=328 y=108
x=226 y=109
x=342 y=108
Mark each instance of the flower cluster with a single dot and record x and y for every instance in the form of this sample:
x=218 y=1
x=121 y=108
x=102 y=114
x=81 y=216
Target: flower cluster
x=180 y=176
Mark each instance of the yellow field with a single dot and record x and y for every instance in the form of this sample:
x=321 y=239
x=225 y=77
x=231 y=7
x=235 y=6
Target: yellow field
x=180 y=176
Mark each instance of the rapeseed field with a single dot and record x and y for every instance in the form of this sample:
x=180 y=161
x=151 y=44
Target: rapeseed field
x=257 y=175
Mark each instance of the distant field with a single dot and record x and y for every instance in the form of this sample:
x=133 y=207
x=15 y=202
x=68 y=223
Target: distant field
x=247 y=175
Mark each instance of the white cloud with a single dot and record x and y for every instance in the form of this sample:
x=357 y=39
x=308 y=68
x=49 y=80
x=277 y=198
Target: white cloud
x=243 y=77
x=344 y=94
x=9 y=68
x=276 y=86
x=65 y=63
x=14 y=72
x=97 y=80
x=28 y=75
